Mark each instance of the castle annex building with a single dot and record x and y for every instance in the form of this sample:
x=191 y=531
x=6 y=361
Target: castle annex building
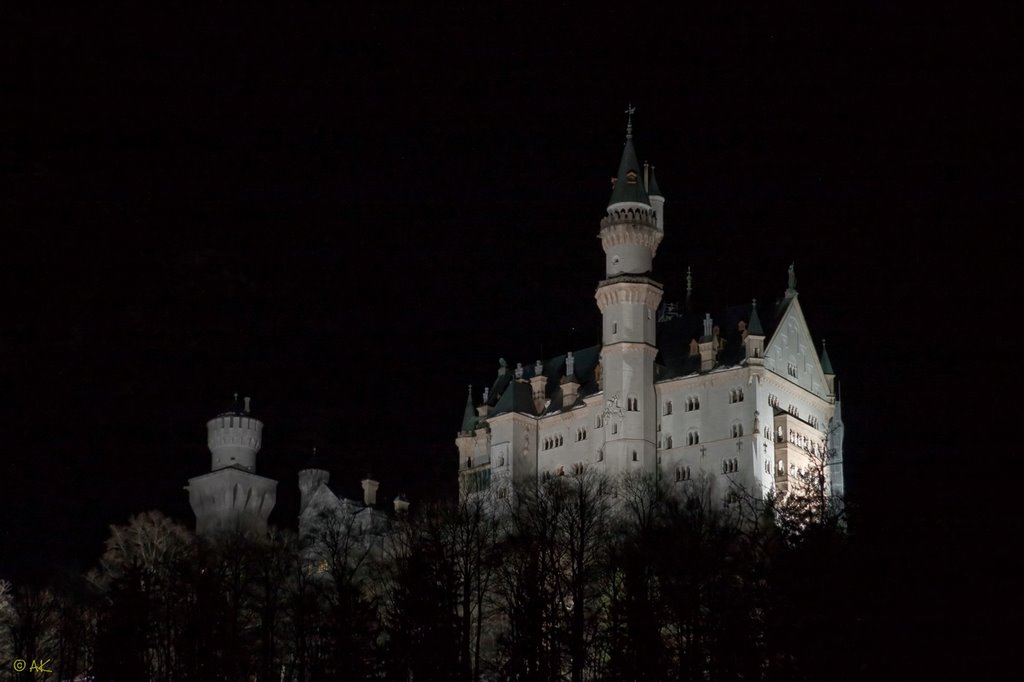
x=741 y=396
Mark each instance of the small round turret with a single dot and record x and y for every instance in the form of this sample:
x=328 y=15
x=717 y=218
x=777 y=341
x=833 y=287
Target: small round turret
x=234 y=437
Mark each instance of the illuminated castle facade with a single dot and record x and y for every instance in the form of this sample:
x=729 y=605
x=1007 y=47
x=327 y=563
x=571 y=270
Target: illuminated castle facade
x=741 y=397
x=232 y=497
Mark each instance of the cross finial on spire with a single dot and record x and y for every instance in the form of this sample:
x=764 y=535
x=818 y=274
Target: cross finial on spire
x=792 y=276
x=689 y=281
x=630 y=110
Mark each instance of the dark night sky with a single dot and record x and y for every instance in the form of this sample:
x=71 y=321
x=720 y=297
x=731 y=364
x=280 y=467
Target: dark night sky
x=351 y=216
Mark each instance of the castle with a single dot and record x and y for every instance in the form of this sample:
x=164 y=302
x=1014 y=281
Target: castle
x=742 y=397
x=233 y=498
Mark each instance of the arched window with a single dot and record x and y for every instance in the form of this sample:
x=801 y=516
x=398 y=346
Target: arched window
x=599 y=422
x=668 y=442
x=615 y=428
x=634 y=456
x=560 y=471
x=668 y=407
x=679 y=474
x=469 y=462
x=781 y=468
x=631 y=403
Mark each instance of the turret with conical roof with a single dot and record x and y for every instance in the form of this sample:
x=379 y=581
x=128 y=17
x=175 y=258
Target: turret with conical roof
x=654 y=194
x=628 y=299
x=826 y=369
x=469 y=415
x=631 y=231
x=753 y=339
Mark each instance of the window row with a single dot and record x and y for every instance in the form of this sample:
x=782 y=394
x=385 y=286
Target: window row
x=581 y=434
x=632 y=404
x=737 y=430
x=736 y=395
x=791 y=370
x=682 y=473
x=553 y=442
x=793 y=470
x=730 y=466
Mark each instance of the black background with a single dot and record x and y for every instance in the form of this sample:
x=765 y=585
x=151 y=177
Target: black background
x=351 y=214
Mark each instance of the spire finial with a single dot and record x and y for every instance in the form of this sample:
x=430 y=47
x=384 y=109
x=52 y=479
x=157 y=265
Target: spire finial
x=469 y=395
x=689 y=281
x=792 y=277
x=630 y=110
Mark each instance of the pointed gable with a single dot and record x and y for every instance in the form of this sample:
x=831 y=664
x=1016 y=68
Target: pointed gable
x=791 y=352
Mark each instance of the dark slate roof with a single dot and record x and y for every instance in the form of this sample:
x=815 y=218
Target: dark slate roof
x=625 y=190
x=754 y=324
x=315 y=461
x=518 y=397
x=511 y=396
x=469 y=416
x=826 y=363
x=675 y=335
x=652 y=186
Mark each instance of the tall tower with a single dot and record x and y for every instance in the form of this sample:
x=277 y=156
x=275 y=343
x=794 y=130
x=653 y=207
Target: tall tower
x=628 y=298
x=232 y=498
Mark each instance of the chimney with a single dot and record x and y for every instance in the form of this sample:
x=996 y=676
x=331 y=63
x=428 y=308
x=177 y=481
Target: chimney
x=247 y=399
x=401 y=504
x=370 y=491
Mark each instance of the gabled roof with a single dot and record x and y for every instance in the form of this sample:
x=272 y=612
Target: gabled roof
x=790 y=309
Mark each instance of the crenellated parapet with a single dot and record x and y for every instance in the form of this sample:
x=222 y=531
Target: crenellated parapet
x=637 y=216
x=234 y=440
x=638 y=290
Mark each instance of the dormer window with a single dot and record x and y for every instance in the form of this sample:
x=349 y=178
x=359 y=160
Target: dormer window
x=631 y=177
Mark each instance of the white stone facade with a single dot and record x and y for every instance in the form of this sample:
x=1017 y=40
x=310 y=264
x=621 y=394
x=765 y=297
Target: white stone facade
x=232 y=498
x=755 y=416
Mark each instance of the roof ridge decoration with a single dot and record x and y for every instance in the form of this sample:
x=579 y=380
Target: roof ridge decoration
x=791 y=284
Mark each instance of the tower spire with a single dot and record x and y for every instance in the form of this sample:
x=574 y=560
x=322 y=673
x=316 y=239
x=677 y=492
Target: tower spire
x=629 y=188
